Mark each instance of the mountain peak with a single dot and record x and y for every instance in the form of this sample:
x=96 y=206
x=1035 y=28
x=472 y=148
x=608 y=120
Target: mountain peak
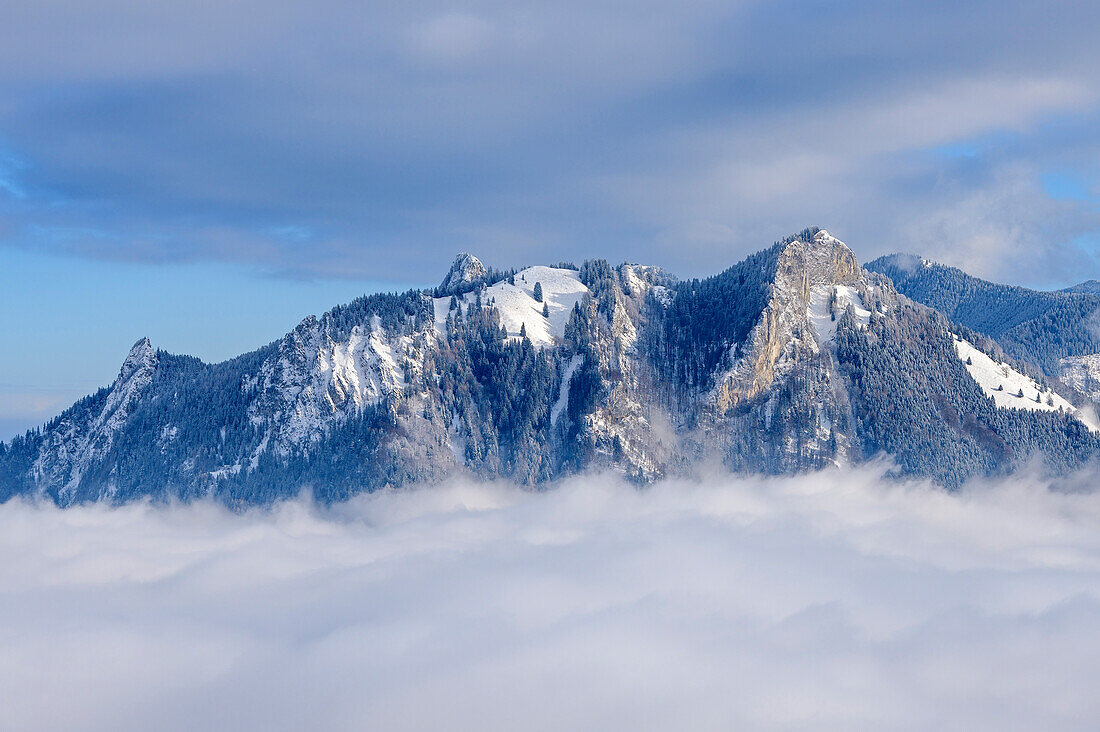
x=823 y=237
x=465 y=269
x=815 y=254
x=810 y=240
x=142 y=356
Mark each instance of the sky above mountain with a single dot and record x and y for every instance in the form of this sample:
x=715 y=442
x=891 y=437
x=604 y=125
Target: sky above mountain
x=207 y=174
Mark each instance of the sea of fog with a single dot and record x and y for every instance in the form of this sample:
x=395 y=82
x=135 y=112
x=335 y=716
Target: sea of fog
x=832 y=601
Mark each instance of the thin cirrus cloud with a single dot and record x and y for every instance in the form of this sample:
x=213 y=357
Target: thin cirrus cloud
x=686 y=136
x=829 y=601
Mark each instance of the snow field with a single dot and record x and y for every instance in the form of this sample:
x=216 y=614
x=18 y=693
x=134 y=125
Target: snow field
x=516 y=304
x=1003 y=383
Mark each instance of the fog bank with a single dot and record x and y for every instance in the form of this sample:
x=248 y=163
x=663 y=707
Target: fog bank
x=830 y=601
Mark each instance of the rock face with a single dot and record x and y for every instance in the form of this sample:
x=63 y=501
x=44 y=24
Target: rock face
x=318 y=376
x=782 y=405
x=466 y=269
x=1082 y=373
x=806 y=279
x=794 y=359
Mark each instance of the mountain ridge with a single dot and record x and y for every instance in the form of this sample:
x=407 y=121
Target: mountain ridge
x=1037 y=327
x=793 y=359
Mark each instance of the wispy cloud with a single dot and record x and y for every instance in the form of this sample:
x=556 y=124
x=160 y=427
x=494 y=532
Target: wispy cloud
x=828 y=601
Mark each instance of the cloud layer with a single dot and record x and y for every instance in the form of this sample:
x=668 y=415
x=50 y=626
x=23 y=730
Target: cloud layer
x=330 y=139
x=832 y=601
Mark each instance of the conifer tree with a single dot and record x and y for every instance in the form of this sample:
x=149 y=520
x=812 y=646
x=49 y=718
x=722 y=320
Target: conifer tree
x=538 y=292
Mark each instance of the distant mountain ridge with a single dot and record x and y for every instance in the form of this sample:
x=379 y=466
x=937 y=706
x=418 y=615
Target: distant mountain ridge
x=1037 y=327
x=794 y=359
x=1089 y=287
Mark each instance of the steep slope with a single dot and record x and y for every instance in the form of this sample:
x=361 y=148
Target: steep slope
x=81 y=438
x=812 y=278
x=748 y=356
x=1011 y=389
x=914 y=399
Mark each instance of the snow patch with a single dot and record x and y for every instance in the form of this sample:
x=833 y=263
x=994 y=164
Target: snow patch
x=563 y=392
x=254 y=461
x=1004 y=384
x=442 y=308
x=517 y=307
x=225 y=471
x=824 y=318
x=456 y=443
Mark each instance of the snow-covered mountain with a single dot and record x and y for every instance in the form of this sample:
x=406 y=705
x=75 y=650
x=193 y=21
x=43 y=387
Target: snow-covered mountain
x=1036 y=327
x=793 y=359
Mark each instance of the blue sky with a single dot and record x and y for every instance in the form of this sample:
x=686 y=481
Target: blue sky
x=207 y=174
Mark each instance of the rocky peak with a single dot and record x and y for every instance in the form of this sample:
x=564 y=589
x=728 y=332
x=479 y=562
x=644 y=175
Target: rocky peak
x=821 y=261
x=466 y=268
x=809 y=269
x=142 y=358
x=87 y=438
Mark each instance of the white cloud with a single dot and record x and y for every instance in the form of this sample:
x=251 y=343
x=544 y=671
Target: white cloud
x=452 y=37
x=594 y=129
x=1006 y=231
x=830 y=601
x=850 y=167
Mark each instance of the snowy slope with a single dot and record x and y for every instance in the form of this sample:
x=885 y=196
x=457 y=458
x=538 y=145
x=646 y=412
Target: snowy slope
x=1004 y=383
x=563 y=393
x=822 y=316
x=516 y=304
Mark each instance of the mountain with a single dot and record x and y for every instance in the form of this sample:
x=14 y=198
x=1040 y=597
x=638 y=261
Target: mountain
x=464 y=273
x=793 y=359
x=1038 y=328
x=1088 y=287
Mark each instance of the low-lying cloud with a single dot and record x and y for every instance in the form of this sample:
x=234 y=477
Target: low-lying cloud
x=831 y=601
